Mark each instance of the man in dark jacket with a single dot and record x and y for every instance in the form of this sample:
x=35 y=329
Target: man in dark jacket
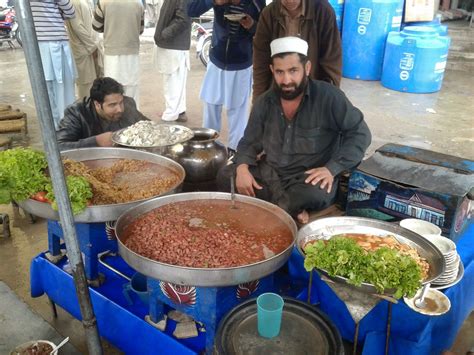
x=91 y=122
x=312 y=20
x=173 y=38
x=228 y=79
x=301 y=135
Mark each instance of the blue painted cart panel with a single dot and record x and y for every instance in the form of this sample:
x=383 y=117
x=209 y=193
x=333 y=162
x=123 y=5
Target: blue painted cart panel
x=120 y=323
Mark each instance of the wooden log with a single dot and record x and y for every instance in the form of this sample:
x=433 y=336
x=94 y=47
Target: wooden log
x=12 y=126
x=11 y=115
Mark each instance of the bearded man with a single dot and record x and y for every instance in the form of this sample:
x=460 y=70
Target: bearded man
x=92 y=121
x=301 y=135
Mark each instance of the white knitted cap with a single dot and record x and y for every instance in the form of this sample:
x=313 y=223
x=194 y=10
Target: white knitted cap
x=289 y=45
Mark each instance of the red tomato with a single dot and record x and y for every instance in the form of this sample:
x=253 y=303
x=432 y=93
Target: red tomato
x=40 y=196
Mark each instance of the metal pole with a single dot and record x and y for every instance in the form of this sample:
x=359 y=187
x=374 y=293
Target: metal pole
x=356 y=339
x=389 y=321
x=40 y=94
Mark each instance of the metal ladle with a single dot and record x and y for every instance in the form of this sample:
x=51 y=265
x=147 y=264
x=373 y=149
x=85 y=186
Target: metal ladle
x=232 y=191
x=420 y=301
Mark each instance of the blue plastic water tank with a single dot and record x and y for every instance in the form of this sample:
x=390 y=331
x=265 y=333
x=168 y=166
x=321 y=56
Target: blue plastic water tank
x=436 y=24
x=366 y=26
x=338 y=6
x=415 y=60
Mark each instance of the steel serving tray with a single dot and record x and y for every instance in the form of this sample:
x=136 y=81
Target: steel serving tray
x=202 y=277
x=325 y=228
x=179 y=133
x=104 y=213
x=304 y=330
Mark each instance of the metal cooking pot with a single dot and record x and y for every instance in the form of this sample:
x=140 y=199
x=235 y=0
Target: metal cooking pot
x=202 y=277
x=201 y=157
x=104 y=213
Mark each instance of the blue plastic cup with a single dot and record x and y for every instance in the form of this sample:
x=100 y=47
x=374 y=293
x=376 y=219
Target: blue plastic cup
x=137 y=285
x=269 y=312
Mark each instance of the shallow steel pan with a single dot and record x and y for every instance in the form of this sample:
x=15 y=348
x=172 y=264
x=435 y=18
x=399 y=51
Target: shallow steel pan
x=174 y=130
x=104 y=213
x=204 y=277
x=325 y=228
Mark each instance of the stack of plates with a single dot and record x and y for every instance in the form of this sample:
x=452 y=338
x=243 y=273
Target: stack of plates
x=451 y=259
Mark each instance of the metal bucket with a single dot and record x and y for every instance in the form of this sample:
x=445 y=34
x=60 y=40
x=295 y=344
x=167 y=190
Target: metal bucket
x=304 y=329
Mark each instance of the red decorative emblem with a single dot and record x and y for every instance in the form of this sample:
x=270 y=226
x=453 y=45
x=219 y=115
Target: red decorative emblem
x=463 y=215
x=110 y=230
x=184 y=295
x=246 y=289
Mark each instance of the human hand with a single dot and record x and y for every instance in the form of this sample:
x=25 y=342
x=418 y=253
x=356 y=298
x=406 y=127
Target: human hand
x=245 y=181
x=104 y=139
x=247 y=22
x=322 y=176
x=220 y=2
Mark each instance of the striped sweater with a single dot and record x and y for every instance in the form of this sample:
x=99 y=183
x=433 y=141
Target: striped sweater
x=49 y=16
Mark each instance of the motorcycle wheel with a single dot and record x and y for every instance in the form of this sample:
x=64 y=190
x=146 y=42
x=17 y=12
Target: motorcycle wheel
x=204 y=55
x=18 y=37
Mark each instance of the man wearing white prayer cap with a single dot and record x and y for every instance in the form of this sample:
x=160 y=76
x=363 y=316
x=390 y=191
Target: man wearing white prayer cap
x=289 y=45
x=302 y=133
x=311 y=20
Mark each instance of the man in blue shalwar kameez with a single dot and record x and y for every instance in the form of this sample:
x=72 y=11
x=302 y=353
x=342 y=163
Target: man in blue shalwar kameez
x=228 y=79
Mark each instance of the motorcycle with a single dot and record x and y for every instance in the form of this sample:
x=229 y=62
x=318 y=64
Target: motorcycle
x=202 y=33
x=9 y=30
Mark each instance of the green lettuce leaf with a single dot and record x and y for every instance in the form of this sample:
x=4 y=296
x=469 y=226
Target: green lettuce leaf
x=80 y=192
x=384 y=268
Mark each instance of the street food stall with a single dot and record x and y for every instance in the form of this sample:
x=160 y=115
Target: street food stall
x=182 y=269
x=138 y=273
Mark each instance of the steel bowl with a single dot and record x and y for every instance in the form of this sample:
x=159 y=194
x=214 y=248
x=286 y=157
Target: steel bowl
x=184 y=133
x=325 y=228
x=104 y=213
x=202 y=277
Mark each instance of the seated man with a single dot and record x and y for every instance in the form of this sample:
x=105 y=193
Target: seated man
x=91 y=122
x=301 y=134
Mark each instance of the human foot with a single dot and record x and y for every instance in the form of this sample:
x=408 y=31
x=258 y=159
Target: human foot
x=303 y=217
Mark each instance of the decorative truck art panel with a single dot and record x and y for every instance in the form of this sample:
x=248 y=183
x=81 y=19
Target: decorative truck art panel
x=399 y=182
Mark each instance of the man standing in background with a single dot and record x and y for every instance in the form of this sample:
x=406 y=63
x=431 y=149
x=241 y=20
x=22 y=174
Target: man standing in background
x=228 y=79
x=173 y=39
x=311 y=20
x=85 y=47
x=56 y=57
x=121 y=21
x=152 y=11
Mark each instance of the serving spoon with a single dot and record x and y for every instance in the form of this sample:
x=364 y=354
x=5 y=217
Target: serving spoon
x=420 y=301
x=232 y=191
x=56 y=348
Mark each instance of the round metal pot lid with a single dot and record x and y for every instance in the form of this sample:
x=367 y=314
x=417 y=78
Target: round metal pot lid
x=304 y=330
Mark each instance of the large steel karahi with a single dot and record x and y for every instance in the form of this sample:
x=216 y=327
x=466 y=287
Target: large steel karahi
x=202 y=277
x=102 y=157
x=325 y=228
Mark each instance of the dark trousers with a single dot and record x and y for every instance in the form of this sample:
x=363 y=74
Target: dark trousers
x=298 y=195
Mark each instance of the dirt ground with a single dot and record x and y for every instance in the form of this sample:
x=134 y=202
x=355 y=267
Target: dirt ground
x=441 y=122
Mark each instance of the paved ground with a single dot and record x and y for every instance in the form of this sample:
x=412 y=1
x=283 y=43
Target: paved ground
x=20 y=324
x=441 y=122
